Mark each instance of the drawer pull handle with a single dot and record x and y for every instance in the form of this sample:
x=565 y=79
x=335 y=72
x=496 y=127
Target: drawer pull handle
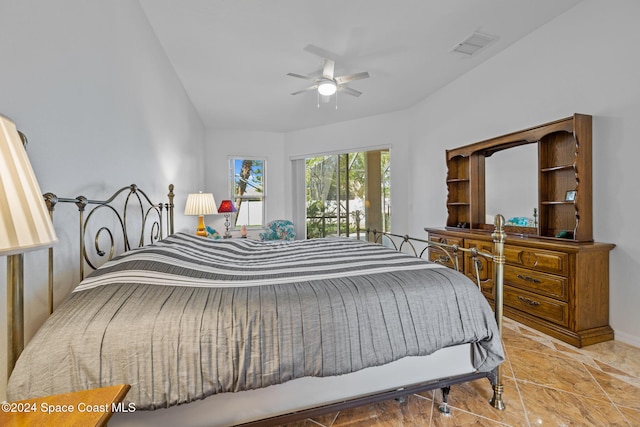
x=529 y=301
x=442 y=259
x=528 y=279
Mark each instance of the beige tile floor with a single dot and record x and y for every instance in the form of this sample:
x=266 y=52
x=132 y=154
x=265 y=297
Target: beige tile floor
x=547 y=383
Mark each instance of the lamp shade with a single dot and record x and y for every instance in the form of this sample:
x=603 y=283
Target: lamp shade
x=226 y=206
x=25 y=223
x=200 y=204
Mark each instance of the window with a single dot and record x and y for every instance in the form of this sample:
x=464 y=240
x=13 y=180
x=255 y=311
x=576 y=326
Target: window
x=247 y=178
x=344 y=188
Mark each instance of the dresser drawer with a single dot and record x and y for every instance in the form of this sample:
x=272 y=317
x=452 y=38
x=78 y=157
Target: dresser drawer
x=534 y=281
x=443 y=255
x=540 y=259
x=537 y=305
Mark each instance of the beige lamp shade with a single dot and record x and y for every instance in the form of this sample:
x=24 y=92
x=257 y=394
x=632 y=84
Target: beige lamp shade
x=200 y=204
x=25 y=223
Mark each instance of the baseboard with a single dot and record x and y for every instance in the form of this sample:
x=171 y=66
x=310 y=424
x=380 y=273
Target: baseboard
x=628 y=338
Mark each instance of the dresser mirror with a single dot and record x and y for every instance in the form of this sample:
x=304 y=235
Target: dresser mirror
x=511 y=186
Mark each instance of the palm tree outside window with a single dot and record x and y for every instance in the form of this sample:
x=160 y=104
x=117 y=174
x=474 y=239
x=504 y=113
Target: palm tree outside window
x=247 y=185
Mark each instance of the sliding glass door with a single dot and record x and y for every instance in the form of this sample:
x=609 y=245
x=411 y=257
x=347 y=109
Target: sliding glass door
x=342 y=189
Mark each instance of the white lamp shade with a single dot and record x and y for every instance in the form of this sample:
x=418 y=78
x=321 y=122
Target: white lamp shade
x=200 y=204
x=25 y=223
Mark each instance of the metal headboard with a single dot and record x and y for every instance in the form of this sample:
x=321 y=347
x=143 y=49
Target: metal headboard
x=149 y=216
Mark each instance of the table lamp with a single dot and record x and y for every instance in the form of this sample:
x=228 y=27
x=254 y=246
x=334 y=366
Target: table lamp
x=25 y=225
x=227 y=208
x=200 y=204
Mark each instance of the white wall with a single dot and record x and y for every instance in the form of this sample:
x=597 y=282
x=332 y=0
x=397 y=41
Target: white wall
x=90 y=86
x=585 y=61
x=220 y=144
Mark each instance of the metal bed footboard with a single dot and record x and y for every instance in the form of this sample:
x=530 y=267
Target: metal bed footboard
x=420 y=247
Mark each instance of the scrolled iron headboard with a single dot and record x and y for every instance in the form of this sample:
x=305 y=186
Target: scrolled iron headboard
x=153 y=225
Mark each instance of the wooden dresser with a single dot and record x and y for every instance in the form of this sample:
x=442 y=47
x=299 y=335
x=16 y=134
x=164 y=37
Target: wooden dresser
x=556 y=277
x=558 y=287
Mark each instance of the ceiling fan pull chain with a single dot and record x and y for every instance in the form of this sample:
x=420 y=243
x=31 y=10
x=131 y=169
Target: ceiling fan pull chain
x=336 y=100
x=318 y=98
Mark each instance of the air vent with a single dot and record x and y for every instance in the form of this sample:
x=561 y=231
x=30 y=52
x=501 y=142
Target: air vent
x=474 y=43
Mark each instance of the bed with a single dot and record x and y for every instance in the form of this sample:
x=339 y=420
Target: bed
x=238 y=331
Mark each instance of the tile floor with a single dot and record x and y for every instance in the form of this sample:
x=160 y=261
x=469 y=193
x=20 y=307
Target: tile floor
x=547 y=383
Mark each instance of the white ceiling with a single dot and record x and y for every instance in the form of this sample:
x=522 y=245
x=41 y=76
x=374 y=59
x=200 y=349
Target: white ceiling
x=232 y=56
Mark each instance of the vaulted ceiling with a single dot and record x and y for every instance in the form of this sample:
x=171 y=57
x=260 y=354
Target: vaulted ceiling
x=233 y=56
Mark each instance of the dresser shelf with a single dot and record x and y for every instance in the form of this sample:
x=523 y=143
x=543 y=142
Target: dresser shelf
x=556 y=168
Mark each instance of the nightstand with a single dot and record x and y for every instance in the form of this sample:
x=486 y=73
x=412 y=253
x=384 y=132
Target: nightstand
x=81 y=408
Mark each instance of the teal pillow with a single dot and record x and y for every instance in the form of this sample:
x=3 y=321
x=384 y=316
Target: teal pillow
x=211 y=233
x=279 y=229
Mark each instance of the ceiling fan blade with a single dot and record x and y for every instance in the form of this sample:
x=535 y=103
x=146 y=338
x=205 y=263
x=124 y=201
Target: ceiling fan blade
x=351 y=77
x=305 y=89
x=322 y=53
x=300 y=76
x=327 y=70
x=350 y=91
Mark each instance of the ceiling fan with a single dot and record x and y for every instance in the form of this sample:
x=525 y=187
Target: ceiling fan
x=327 y=84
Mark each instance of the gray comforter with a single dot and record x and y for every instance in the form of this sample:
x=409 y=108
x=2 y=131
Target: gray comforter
x=189 y=317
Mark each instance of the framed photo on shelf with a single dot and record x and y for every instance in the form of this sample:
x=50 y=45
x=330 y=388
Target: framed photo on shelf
x=570 y=196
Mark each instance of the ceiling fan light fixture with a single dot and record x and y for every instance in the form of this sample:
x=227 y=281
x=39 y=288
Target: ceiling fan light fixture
x=327 y=87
